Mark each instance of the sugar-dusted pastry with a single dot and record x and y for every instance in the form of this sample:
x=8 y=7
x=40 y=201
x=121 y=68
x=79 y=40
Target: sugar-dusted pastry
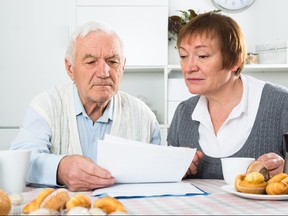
x=78 y=210
x=5 y=203
x=96 y=211
x=79 y=200
x=109 y=205
x=44 y=211
x=48 y=198
x=253 y=183
x=278 y=184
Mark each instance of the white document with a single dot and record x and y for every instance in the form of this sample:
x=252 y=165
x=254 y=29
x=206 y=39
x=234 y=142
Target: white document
x=149 y=189
x=137 y=162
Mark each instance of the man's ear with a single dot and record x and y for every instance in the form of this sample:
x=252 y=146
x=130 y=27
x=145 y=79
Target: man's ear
x=69 y=69
x=124 y=63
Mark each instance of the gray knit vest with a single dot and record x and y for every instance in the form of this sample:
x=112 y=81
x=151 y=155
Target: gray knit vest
x=266 y=135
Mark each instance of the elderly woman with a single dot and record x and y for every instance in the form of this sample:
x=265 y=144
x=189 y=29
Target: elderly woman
x=233 y=115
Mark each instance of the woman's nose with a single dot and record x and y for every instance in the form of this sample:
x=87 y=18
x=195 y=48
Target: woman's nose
x=190 y=65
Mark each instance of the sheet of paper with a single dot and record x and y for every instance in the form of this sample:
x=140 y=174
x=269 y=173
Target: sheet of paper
x=136 y=162
x=149 y=190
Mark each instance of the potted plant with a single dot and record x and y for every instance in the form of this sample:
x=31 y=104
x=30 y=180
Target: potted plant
x=175 y=22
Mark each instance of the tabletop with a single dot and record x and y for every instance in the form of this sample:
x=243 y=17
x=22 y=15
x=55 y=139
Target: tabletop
x=216 y=202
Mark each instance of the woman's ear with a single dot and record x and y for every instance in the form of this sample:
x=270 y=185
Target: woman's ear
x=237 y=65
x=69 y=69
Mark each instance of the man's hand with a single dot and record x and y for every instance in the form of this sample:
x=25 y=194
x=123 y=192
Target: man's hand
x=79 y=173
x=273 y=162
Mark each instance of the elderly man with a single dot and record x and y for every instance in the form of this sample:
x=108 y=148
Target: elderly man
x=62 y=125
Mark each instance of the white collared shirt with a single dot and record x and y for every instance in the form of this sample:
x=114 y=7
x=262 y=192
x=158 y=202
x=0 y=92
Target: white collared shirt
x=235 y=130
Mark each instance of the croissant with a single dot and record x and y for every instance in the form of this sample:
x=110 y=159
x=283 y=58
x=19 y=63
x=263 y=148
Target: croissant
x=79 y=200
x=278 y=184
x=109 y=205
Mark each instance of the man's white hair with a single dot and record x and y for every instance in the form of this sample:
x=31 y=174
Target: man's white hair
x=84 y=30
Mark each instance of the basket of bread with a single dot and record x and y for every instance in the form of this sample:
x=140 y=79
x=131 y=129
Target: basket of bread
x=257 y=180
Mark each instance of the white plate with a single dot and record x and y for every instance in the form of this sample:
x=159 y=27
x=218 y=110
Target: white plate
x=231 y=189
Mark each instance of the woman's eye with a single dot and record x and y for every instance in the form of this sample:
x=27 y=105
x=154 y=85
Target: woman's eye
x=202 y=56
x=183 y=56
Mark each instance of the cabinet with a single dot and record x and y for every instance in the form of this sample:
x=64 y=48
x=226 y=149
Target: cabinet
x=34 y=61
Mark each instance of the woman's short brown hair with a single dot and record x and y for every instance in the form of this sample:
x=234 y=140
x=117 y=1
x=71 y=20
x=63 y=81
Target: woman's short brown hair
x=231 y=40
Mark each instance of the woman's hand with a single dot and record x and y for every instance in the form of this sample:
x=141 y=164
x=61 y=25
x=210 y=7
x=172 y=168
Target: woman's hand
x=193 y=166
x=273 y=162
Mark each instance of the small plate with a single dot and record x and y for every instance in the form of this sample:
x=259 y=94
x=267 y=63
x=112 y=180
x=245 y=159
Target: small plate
x=231 y=189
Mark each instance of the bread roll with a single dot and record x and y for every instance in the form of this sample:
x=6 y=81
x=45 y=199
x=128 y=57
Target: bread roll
x=109 y=205
x=48 y=198
x=278 y=184
x=259 y=166
x=79 y=200
x=5 y=203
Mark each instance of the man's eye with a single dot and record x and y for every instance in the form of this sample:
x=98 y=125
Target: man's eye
x=90 y=62
x=113 y=62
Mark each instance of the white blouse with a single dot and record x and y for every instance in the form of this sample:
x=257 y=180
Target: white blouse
x=235 y=130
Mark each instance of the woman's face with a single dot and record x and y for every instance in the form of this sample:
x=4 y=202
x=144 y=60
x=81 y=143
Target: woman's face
x=201 y=63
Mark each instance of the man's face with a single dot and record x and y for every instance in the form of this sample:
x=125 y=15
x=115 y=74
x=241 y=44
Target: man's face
x=98 y=67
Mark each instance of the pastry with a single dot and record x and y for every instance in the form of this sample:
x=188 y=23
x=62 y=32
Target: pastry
x=109 y=205
x=278 y=184
x=43 y=211
x=5 y=203
x=79 y=200
x=48 y=198
x=78 y=210
x=259 y=166
x=96 y=211
x=16 y=199
x=253 y=183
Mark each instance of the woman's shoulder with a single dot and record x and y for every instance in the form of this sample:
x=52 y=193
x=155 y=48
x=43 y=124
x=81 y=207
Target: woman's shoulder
x=273 y=88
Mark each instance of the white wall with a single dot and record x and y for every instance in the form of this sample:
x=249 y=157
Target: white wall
x=264 y=21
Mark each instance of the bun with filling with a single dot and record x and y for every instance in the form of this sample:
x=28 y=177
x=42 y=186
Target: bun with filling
x=252 y=183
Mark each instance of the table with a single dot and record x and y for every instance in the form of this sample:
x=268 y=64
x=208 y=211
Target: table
x=217 y=202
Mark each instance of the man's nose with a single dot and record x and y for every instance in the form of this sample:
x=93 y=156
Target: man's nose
x=102 y=69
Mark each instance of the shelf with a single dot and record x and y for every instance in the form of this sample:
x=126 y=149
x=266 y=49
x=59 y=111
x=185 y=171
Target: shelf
x=266 y=68
x=140 y=68
x=248 y=68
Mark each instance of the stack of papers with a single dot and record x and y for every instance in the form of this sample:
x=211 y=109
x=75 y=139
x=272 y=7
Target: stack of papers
x=137 y=162
x=150 y=190
x=144 y=170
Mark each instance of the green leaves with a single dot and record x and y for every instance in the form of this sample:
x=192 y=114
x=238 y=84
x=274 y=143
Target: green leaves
x=175 y=22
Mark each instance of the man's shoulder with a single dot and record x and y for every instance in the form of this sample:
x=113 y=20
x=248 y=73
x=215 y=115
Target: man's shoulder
x=131 y=102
